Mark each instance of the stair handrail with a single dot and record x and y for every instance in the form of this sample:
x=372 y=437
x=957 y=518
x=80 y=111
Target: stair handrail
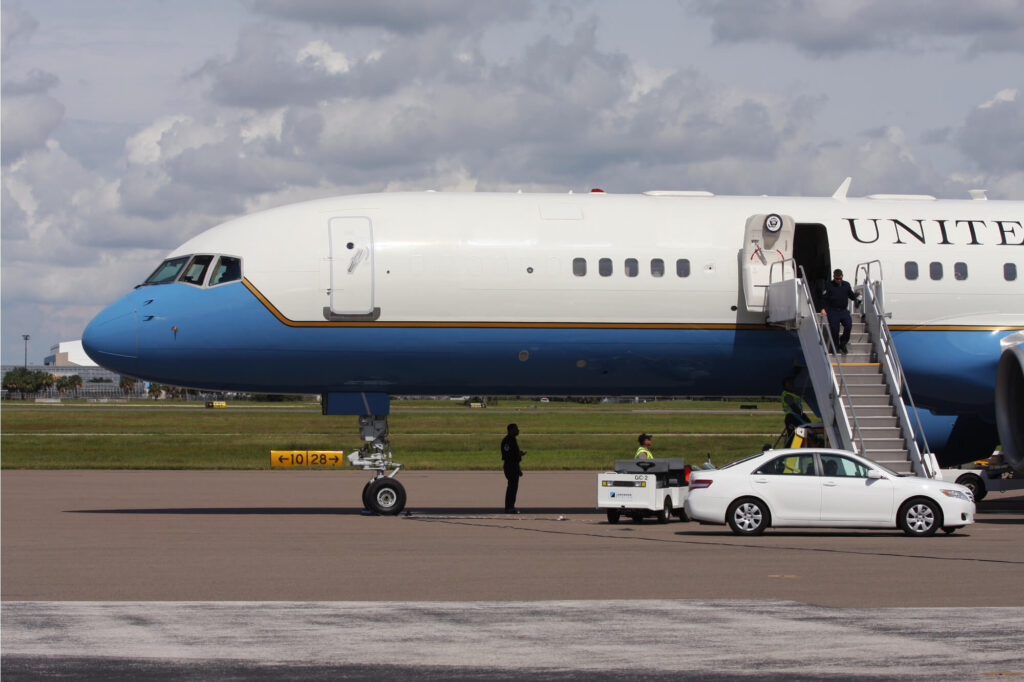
x=841 y=388
x=871 y=291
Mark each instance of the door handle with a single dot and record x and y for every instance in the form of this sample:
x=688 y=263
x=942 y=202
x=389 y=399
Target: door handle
x=830 y=484
x=760 y=480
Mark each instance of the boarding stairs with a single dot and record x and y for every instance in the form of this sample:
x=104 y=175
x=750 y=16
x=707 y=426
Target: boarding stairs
x=863 y=397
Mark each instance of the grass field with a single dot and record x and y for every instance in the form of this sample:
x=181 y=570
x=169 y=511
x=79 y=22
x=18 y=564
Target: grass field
x=440 y=435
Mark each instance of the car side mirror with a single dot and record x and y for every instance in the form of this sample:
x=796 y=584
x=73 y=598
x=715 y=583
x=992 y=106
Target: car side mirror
x=875 y=473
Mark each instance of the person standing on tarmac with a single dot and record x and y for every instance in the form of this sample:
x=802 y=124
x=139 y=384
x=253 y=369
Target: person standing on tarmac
x=835 y=304
x=511 y=456
x=644 y=451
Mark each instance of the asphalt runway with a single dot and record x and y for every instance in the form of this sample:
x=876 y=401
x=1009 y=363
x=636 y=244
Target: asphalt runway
x=167 y=574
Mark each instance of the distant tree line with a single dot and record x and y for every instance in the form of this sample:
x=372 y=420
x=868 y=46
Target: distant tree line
x=26 y=381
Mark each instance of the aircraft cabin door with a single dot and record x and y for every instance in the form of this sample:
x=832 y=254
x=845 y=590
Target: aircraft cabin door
x=766 y=257
x=351 y=245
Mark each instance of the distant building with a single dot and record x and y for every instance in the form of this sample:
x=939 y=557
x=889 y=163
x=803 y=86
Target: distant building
x=68 y=354
x=68 y=358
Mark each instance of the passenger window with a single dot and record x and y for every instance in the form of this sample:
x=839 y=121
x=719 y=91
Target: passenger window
x=959 y=271
x=1009 y=271
x=791 y=465
x=228 y=270
x=935 y=270
x=168 y=271
x=632 y=267
x=683 y=267
x=657 y=267
x=910 y=269
x=837 y=465
x=579 y=266
x=195 y=273
x=604 y=267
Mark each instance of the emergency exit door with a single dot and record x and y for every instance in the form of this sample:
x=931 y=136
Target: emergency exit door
x=351 y=245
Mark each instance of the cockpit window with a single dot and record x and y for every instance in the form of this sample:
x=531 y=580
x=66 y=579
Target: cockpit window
x=229 y=269
x=193 y=270
x=195 y=273
x=168 y=271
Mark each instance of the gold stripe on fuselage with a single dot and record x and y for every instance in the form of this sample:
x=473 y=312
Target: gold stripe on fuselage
x=580 y=325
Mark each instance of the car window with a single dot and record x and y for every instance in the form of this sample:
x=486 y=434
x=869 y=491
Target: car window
x=837 y=465
x=789 y=465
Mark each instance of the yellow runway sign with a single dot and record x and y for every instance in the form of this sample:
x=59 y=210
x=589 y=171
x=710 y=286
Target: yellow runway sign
x=307 y=458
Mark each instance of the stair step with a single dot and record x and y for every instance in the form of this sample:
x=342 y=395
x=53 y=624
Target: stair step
x=864 y=379
x=861 y=399
x=855 y=368
x=873 y=412
x=880 y=431
x=877 y=421
x=876 y=444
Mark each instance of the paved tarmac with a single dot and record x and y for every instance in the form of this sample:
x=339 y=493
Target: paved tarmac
x=263 y=574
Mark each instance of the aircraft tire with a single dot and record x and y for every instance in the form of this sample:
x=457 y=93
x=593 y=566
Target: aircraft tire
x=386 y=497
x=366 y=495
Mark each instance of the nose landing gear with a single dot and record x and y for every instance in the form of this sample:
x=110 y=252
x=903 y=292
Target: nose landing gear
x=382 y=494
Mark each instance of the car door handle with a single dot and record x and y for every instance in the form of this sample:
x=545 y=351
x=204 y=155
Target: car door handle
x=830 y=484
x=760 y=480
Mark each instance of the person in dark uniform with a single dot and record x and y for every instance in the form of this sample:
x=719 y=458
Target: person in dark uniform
x=835 y=304
x=511 y=456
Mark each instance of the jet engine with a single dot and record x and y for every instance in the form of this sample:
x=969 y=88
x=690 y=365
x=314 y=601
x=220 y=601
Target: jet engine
x=1010 y=400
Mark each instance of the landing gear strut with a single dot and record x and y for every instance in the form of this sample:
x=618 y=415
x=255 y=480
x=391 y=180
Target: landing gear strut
x=382 y=494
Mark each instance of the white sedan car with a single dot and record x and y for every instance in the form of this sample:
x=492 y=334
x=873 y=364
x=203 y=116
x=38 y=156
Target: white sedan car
x=824 y=488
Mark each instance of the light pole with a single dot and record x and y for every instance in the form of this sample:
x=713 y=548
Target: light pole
x=26 y=337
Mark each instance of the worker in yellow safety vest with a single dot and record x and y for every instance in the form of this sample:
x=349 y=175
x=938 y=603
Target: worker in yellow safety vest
x=644 y=451
x=793 y=406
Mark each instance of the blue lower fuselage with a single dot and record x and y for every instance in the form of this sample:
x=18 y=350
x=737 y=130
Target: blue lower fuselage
x=226 y=339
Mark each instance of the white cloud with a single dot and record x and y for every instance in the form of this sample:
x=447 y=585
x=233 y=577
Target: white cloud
x=320 y=54
x=1008 y=95
x=145 y=147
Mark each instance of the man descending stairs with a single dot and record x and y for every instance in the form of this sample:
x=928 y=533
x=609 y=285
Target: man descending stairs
x=868 y=400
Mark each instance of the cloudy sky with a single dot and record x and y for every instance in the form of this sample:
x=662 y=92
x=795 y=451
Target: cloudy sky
x=128 y=127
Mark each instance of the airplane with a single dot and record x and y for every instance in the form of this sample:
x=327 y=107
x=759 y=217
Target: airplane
x=359 y=298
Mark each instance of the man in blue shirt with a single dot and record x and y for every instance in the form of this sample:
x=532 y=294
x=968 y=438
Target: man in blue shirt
x=835 y=303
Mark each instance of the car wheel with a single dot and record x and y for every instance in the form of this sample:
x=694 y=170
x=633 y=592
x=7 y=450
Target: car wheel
x=613 y=516
x=682 y=515
x=748 y=516
x=665 y=515
x=386 y=496
x=920 y=517
x=974 y=482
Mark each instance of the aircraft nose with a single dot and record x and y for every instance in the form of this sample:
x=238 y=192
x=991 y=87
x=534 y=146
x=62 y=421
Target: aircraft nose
x=111 y=339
